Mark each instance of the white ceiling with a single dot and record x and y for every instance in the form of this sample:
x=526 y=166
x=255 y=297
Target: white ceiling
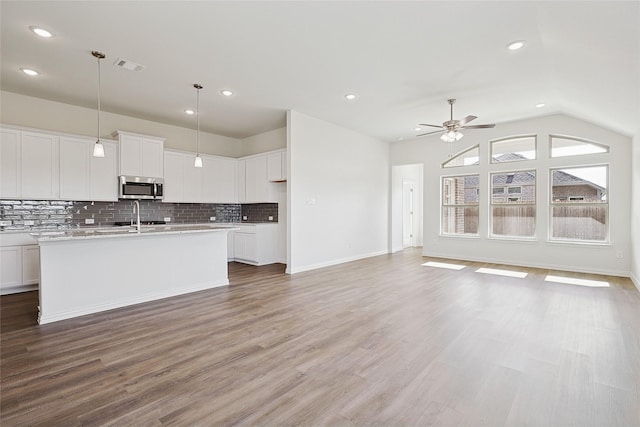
x=402 y=59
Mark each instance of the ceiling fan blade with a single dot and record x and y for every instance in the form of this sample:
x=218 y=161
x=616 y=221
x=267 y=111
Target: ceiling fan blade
x=480 y=126
x=467 y=120
x=429 y=133
x=433 y=126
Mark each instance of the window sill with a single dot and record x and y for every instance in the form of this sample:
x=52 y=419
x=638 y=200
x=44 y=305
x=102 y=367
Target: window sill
x=514 y=239
x=578 y=243
x=460 y=236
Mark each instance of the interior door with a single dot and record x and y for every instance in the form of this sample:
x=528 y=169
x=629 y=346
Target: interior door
x=407 y=213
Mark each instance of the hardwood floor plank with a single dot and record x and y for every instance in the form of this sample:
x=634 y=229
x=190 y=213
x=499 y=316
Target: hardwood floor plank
x=379 y=341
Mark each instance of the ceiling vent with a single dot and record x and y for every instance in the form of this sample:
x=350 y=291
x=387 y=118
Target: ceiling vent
x=129 y=65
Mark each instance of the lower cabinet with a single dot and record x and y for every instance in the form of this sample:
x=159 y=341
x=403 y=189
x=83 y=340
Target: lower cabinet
x=19 y=265
x=256 y=244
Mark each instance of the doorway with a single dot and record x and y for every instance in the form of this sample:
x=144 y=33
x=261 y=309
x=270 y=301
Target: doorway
x=408 y=209
x=406 y=206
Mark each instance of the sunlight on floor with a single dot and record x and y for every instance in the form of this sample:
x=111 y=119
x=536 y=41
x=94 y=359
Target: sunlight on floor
x=576 y=281
x=444 y=265
x=508 y=273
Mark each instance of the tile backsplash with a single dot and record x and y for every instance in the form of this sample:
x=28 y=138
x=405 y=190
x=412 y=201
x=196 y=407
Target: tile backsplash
x=54 y=214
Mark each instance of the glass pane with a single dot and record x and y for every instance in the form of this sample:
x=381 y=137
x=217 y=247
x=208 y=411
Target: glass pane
x=579 y=185
x=460 y=220
x=466 y=158
x=520 y=187
x=562 y=147
x=513 y=149
x=516 y=221
x=579 y=222
x=460 y=190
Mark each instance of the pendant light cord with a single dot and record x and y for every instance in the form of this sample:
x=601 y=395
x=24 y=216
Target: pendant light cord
x=99 y=79
x=198 y=120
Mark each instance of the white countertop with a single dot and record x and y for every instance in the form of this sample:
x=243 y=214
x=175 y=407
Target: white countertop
x=128 y=232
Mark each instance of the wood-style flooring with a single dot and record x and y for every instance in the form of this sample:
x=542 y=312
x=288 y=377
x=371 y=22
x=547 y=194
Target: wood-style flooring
x=381 y=341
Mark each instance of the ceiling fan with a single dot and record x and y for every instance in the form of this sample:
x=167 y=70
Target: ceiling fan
x=452 y=127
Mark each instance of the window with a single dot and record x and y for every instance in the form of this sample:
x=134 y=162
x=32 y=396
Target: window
x=562 y=146
x=460 y=205
x=579 y=203
x=467 y=157
x=513 y=213
x=513 y=149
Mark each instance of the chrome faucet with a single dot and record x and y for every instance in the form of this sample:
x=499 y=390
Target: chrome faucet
x=136 y=210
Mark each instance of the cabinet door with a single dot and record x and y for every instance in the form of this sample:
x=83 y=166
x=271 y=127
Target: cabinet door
x=256 y=176
x=130 y=152
x=173 y=178
x=219 y=180
x=74 y=168
x=39 y=166
x=9 y=163
x=104 y=174
x=230 y=245
x=10 y=267
x=245 y=246
x=30 y=264
x=274 y=167
x=242 y=181
x=152 y=153
x=192 y=180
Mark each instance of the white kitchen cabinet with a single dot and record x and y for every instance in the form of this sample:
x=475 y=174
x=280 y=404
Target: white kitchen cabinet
x=84 y=177
x=10 y=141
x=140 y=155
x=219 y=180
x=256 y=244
x=242 y=180
x=230 y=245
x=19 y=263
x=192 y=180
x=173 y=177
x=39 y=166
x=276 y=166
x=256 y=179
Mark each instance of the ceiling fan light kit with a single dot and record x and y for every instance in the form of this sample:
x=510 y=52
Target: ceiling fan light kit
x=452 y=127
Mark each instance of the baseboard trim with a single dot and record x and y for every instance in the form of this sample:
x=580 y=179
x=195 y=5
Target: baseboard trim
x=635 y=281
x=559 y=267
x=335 y=262
x=19 y=289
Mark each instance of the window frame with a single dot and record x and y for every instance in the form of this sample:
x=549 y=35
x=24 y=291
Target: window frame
x=504 y=201
x=551 y=204
x=443 y=165
x=507 y=138
x=464 y=205
x=579 y=139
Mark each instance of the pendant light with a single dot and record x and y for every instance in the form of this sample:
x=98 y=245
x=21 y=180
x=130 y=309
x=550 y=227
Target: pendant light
x=98 y=148
x=198 y=161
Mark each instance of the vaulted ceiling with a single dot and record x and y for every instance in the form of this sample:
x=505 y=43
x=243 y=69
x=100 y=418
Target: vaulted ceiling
x=402 y=60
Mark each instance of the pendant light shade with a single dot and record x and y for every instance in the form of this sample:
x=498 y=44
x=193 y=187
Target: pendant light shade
x=198 y=160
x=98 y=148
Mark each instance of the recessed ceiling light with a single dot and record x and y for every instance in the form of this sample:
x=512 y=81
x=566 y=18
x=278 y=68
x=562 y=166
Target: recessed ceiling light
x=189 y=111
x=518 y=44
x=226 y=92
x=540 y=105
x=29 y=71
x=350 y=96
x=417 y=129
x=41 y=32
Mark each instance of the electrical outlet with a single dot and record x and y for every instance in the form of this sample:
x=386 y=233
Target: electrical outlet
x=619 y=255
x=5 y=223
x=29 y=222
x=244 y=217
x=212 y=218
x=270 y=218
x=167 y=219
x=89 y=221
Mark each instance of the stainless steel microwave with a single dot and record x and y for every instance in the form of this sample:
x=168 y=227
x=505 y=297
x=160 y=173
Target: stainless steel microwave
x=137 y=187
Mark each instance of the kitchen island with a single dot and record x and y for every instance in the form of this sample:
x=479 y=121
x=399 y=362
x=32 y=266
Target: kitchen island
x=89 y=271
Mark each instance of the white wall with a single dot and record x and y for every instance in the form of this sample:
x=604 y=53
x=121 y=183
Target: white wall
x=338 y=194
x=267 y=141
x=43 y=114
x=635 y=212
x=538 y=253
x=398 y=175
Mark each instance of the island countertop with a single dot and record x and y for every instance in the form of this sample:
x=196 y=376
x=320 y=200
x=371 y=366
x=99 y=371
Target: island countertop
x=128 y=232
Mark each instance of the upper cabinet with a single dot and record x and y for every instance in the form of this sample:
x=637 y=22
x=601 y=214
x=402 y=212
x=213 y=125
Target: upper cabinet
x=29 y=163
x=215 y=182
x=140 y=155
x=277 y=166
x=84 y=177
x=254 y=171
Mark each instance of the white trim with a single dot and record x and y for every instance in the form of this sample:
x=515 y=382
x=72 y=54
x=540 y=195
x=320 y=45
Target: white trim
x=18 y=289
x=560 y=267
x=127 y=302
x=635 y=281
x=335 y=262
